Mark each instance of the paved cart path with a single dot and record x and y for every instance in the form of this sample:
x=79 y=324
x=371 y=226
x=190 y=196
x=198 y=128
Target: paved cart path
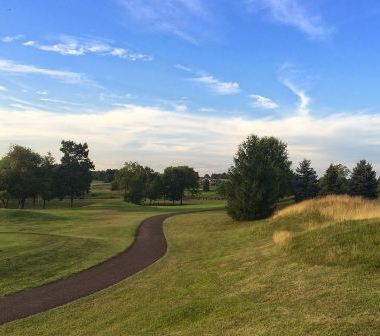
x=149 y=246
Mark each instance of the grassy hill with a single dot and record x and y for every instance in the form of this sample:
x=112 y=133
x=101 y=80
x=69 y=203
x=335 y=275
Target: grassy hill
x=312 y=269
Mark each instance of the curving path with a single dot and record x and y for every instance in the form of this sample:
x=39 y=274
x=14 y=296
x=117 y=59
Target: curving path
x=149 y=246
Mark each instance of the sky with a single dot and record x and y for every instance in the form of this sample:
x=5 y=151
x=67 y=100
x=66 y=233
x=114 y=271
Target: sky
x=183 y=82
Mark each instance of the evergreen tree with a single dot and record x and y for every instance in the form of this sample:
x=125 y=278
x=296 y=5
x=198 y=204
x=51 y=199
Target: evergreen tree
x=363 y=181
x=260 y=176
x=305 y=183
x=335 y=180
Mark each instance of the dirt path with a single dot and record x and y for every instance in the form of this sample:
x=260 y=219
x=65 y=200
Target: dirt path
x=149 y=246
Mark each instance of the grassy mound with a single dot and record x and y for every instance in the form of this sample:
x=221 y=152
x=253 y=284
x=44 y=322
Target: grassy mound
x=334 y=230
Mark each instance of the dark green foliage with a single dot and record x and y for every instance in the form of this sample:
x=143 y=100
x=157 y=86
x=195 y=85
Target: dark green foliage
x=47 y=177
x=74 y=173
x=206 y=185
x=104 y=175
x=155 y=187
x=305 y=182
x=221 y=188
x=335 y=180
x=177 y=179
x=19 y=176
x=132 y=180
x=363 y=181
x=259 y=178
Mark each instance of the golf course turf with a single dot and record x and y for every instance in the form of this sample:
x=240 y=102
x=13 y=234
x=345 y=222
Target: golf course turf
x=306 y=271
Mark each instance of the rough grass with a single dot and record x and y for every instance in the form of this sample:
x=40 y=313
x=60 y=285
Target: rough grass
x=227 y=278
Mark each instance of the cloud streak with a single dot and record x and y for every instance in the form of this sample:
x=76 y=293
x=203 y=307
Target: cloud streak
x=64 y=76
x=217 y=86
x=162 y=137
x=181 y=18
x=263 y=102
x=292 y=13
x=78 y=46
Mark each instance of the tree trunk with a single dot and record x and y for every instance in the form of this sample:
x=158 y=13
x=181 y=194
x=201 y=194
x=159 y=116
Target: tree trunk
x=21 y=204
x=125 y=193
x=44 y=205
x=71 y=201
x=34 y=201
x=181 y=199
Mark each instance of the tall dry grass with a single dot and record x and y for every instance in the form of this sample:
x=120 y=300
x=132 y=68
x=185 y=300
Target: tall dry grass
x=335 y=207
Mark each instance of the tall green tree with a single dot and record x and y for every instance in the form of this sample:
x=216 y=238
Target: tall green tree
x=132 y=180
x=47 y=178
x=178 y=179
x=335 y=180
x=363 y=181
x=19 y=173
x=155 y=187
x=305 y=182
x=74 y=173
x=260 y=176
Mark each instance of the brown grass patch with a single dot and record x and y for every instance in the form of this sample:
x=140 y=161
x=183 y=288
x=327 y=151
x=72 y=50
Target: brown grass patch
x=334 y=207
x=282 y=238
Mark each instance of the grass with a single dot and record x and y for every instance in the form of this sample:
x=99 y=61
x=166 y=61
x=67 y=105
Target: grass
x=298 y=273
x=39 y=246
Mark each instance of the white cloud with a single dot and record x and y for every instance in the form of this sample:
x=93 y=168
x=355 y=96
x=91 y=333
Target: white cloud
x=64 y=76
x=263 y=102
x=8 y=39
x=304 y=100
x=78 y=46
x=3 y=88
x=292 y=13
x=161 y=137
x=182 y=18
x=219 y=87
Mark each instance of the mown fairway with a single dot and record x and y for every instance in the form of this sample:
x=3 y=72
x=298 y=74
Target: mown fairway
x=38 y=246
x=305 y=272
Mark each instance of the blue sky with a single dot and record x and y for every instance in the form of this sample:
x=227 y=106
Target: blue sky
x=170 y=82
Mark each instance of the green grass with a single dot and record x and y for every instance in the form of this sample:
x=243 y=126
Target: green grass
x=227 y=278
x=39 y=246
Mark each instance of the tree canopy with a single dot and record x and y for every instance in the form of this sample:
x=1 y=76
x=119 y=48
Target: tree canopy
x=260 y=176
x=305 y=182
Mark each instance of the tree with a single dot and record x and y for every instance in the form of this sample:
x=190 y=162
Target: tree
x=363 y=181
x=335 y=180
x=305 y=182
x=4 y=198
x=132 y=180
x=259 y=178
x=74 y=173
x=206 y=185
x=155 y=187
x=177 y=179
x=19 y=173
x=47 y=176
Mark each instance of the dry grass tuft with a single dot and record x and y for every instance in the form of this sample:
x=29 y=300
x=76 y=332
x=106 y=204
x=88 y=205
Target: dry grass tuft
x=335 y=207
x=282 y=238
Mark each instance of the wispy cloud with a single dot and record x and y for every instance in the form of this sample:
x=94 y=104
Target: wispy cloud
x=3 y=88
x=219 y=87
x=64 y=76
x=162 y=137
x=303 y=108
x=177 y=17
x=292 y=13
x=263 y=102
x=8 y=39
x=72 y=46
x=214 y=84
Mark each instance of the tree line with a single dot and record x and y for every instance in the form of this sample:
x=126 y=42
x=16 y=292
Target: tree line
x=26 y=174
x=262 y=175
x=140 y=183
